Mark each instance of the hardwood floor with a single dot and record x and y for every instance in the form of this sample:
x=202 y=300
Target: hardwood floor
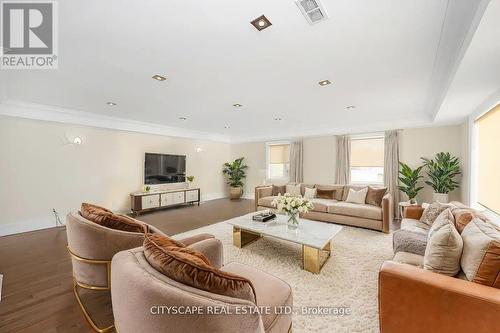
x=37 y=294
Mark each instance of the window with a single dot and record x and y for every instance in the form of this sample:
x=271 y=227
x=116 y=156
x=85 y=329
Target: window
x=367 y=160
x=488 y=160
x=278 y=160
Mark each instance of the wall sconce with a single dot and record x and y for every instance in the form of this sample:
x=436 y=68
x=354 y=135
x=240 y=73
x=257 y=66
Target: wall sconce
x=199 y=150
x=77 y=140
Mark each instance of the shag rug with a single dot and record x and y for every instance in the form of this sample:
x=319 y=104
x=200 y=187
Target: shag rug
x=348 y=279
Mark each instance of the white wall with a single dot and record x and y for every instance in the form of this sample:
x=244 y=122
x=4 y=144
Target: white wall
x=320 y=156
x=39 y=170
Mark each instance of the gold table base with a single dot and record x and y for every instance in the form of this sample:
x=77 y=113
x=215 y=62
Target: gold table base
x=313 y=259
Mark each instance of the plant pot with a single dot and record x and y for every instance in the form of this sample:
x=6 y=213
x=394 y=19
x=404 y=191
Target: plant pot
x=441 y=197
x=235 y=192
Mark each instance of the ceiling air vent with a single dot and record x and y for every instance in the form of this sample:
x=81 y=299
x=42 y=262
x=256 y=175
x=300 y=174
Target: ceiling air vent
x=312 y=10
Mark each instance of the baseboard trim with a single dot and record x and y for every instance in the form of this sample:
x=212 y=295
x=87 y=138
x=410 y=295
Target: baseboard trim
x=1 y=282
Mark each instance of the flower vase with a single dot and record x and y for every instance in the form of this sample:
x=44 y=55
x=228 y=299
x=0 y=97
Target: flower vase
x=293 y=221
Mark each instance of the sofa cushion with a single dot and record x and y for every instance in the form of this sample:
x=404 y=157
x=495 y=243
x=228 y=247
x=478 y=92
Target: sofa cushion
x=108 y=219
x=293 y=189
x=481 y=254
x=339 y=190
x=432 y=212
x=346 y=190
x=325 y=194
x=279 y=189
x=414 y=226
x=409 y=258
x=321 y=205
x=375 y=195
x=272 y=293
x=303 y=188
x=444 y=246
x=358 y=210
x=407 y=241
x=267 y=202
x=192 y=268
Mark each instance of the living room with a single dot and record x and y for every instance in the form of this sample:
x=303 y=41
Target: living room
x=305 y=166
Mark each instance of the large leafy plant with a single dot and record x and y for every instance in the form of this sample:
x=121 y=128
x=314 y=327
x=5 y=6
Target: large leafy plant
x=409 y=180
x=441 y=172
x=235 y=172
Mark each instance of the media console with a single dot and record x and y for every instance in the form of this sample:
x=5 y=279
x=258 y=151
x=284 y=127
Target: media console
x=146 y=201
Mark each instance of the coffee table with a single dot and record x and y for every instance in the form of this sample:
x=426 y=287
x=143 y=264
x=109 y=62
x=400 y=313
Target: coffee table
x=315 y=237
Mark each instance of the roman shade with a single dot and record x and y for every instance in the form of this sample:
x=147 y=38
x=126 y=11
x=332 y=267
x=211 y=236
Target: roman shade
x=279 y=154
x=488 y=159
x=367 y=152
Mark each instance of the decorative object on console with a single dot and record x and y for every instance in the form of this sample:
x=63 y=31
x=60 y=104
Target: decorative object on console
x=147 y=188
x=410 y=178
x=236 y=173
x=190 y=180
x=441 y=172
x=358 y=197
x=292 y=206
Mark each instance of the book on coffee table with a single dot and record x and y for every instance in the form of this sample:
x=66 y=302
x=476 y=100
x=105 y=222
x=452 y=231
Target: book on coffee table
x=264 y=217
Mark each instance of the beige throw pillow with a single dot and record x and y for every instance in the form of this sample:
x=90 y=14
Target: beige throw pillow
x=358 y=197
x=432 y=212
x=444 y=246
x=481 y=255
x=293 y=189
x=310 y=193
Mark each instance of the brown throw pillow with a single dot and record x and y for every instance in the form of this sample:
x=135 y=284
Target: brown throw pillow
x=413 y=212
x=192 y=268
x=108 y=219
x=325 y=194
x=462 y=217
x=432 y=212
x=279 y=189
x=375 y=195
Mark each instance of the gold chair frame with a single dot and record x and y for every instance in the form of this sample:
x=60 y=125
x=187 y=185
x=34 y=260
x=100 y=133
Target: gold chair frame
x=77 y=284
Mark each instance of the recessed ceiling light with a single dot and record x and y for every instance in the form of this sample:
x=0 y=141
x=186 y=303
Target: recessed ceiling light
x=182 y=118
x=278 y=119
x=324 y=82
x=111 y=103
x=261 y=22
x=227 y=127
x=237 y=105
x=350 y=107
x=159 y=77
x=77 y=140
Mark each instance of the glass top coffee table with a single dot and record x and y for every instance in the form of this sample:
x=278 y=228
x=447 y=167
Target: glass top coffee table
x=315 y=237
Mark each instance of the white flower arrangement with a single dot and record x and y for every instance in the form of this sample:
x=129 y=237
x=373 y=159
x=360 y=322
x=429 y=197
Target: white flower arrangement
x=291 y=204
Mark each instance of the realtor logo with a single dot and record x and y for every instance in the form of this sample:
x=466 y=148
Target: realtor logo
x=28 y=35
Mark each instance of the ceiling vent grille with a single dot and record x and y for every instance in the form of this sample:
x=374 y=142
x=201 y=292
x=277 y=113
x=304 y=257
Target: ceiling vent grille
x=312 y=10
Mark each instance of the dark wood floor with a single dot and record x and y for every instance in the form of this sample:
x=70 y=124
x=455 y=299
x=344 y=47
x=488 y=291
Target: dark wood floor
x=37 y=294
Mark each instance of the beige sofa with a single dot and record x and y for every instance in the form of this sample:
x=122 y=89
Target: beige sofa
x=337 y=210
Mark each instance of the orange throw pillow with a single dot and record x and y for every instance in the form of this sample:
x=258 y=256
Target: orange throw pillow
x=108 y=219
x=192 y=268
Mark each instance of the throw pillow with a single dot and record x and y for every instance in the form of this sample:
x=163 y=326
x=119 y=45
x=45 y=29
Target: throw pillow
x=192 y=268
x=325 y=194
x=339 y=190
x=293 y=189
x=310 y=193
x=375 y=195
x=358 y=197
x=432 y=212
x=481 y=255
x=444 y=246
x=345 y=192
x=279 y=189
x=108 y=219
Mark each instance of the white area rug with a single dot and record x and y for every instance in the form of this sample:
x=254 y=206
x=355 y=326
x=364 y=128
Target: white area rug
x=349 y=278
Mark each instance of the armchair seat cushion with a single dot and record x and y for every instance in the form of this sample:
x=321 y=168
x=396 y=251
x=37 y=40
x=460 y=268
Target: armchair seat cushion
x=357 y=210
x=270 y=292
x=321 y=205
x=267 y=202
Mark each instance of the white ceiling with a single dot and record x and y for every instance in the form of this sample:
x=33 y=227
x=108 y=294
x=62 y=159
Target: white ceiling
x=386 y=57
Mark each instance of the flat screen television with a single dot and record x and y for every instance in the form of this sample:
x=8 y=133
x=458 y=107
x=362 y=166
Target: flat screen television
x=163 y=169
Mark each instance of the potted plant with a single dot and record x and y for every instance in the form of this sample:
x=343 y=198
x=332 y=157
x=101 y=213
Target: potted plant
x=190 y=180
x=441 y=171
x=409 y=178
x=235 y=172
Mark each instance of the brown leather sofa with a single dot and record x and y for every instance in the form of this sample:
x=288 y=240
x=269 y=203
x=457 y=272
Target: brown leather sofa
x=338 y=210
x=412 y=299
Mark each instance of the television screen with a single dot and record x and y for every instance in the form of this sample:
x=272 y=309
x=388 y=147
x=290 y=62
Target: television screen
x=162 y=169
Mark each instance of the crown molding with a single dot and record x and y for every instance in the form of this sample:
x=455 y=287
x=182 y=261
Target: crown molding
x=68 y=116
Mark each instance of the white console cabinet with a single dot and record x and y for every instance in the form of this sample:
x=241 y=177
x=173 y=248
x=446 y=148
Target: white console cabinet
x=144 y=201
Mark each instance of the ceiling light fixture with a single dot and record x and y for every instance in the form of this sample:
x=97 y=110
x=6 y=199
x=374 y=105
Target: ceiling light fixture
x=159 y=77
x=111 y=103
x=182 y=118
x=77 y=140
x=261 y=22
x=324 y=82
x=278 y=119
x=350 y=107
x=237 y=105
x=227 y=127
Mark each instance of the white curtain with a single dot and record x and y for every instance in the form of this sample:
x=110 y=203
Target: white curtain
x=296 y=162
x=343 y=159
x=391 y=167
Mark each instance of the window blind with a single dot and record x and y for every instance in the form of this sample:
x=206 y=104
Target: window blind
x=279 y=154
x=488 y=162
x=367 y=152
